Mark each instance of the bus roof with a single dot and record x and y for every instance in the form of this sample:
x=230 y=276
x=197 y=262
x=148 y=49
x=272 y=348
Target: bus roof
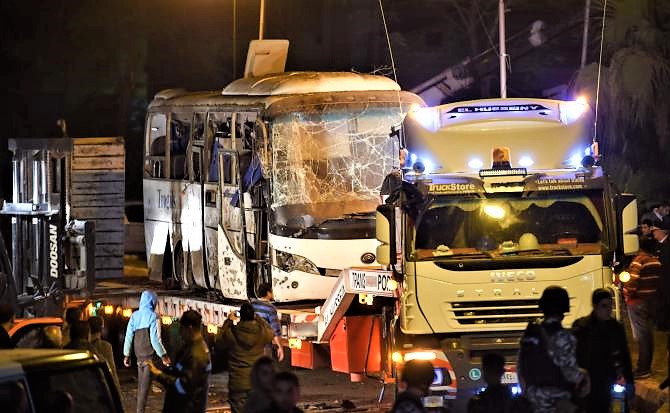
x=291 y=83
x=290 y=88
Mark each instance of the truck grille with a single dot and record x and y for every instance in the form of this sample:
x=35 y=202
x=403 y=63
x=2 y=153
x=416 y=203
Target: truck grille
x=494 y=312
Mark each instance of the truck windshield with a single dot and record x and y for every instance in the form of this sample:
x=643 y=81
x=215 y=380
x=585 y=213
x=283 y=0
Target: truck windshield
x=546 y=225
x=329 y=162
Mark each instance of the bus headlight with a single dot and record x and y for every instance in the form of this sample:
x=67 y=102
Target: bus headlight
x=290 y=262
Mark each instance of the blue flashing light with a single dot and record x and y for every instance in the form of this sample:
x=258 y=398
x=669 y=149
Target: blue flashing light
x=618 y=388
x=575 y=160
x=439 y=377
x=516 y=390
x=412 y=157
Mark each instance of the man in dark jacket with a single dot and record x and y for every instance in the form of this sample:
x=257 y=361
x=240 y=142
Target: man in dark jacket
x=547 y=361
x=285 y=394
x=603 y=351
x=417 y=376
x=80 y=336
x=497 y=398
x=188 y=381
x=244 y=343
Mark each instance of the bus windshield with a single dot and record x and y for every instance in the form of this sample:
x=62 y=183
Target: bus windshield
x=510 y=226
x=329 y=162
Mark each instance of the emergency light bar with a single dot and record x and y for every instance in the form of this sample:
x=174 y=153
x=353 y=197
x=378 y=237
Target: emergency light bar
x=484 y=173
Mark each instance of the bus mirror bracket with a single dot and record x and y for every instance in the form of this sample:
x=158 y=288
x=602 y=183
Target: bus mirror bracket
x=386 y=234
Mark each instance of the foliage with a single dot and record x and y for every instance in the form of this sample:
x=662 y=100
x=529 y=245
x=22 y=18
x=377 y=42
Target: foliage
x=633 y=110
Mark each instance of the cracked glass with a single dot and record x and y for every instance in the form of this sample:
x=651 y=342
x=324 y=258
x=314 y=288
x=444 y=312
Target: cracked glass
x=329 y=162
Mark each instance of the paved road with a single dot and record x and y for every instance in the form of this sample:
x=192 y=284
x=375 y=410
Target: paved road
x=321 y=391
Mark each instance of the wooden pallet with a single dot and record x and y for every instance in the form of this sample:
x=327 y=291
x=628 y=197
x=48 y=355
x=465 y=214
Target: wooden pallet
x=97 y=193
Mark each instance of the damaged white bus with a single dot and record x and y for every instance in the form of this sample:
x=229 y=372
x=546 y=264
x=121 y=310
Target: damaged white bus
x=274 y=179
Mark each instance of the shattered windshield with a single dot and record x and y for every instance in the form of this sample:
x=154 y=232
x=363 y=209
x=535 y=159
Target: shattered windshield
x=329 y=162
x=510 y=226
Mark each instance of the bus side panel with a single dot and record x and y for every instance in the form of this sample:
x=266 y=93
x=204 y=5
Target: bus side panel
x=158 y=207
x=232 y=269
x=212 y=217
x=231 y=247
x=192 y=230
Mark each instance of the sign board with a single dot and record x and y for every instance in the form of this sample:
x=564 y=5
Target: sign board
x=369 y=281
x=266 y=57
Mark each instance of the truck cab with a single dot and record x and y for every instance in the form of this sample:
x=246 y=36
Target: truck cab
x=473 y=244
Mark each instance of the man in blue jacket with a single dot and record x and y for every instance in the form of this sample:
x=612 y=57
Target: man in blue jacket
x=144 y=334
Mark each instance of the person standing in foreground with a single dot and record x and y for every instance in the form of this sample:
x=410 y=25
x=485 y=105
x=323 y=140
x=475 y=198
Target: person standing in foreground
x=497 y=398
x=187 y=382
x=267 y=311
x=244 y=343
x=285 y=394
x=603 y=351
x=547 y=361
x=103 y=347
x=262 y=383
x=417 y=376
x=143 y=333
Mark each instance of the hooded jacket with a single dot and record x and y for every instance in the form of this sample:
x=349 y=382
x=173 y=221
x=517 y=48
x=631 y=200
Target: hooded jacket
x=144 y=323
x=244 y=344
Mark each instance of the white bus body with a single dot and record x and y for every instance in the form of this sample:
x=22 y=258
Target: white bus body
x=308 y=153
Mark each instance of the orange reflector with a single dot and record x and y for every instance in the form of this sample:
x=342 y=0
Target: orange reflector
x=500 y=158
x=109 y=309
x=212 y=328
x=166 y=320
x=127 y=312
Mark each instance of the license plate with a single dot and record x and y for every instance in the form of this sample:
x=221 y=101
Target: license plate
x=433 y=401
x=510 y=377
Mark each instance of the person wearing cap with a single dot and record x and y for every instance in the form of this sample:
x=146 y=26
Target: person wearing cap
x=547 y=361
x=660 y=233
x=603 y=351
x=658 y=213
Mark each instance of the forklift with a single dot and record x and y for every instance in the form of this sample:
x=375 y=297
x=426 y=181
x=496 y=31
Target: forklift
x=51 y=254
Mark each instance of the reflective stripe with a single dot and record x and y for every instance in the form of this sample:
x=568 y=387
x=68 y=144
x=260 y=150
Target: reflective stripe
x=180 y=388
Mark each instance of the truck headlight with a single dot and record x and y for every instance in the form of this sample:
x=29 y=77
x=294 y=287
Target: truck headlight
x=290 y=262
x=624 y=276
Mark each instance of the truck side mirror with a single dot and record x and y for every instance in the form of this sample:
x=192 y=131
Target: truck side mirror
x=385 y=228
x=626 y=216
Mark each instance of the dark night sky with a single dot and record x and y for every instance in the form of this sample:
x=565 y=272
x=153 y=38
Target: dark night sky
x=97 y=64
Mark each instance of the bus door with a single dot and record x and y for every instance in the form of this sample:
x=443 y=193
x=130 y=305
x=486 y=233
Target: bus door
x=232 y=242
x=197 y=252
